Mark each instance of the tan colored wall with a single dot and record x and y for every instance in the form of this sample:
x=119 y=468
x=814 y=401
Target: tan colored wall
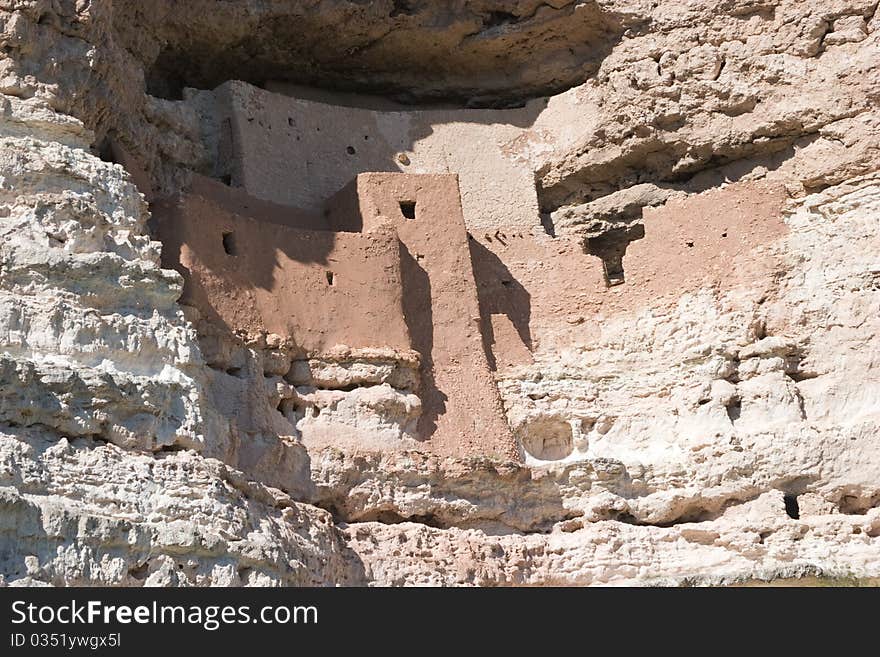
x=555 y=295
x=277 y=281
x=300 y=152
x=462 y=412
x=397 y=282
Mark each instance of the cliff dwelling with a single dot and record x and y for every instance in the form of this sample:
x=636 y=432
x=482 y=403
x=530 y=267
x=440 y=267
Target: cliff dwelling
x=402 y=248
x=402 y=292
x=381 y=277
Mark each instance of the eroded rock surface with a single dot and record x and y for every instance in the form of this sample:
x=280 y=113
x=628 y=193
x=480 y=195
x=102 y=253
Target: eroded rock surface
x=674 y=258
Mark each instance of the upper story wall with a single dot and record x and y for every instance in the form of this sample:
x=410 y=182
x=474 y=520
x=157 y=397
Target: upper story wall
x=461 y=407
x=256 y=267
x=300 y=152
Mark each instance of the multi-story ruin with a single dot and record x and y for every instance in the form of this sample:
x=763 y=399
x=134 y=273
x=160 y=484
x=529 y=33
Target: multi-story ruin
x=342 y=232
x=411 y=292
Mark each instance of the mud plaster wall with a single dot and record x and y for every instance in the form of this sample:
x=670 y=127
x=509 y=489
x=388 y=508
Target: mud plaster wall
x=299 y=152
x=549 y=294
x=252 y=274
x=462 y=410
x=388 y=267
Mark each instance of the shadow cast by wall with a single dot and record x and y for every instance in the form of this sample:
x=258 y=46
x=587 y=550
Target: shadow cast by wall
x=499 y=293
x=264 y=272
x=419 y=317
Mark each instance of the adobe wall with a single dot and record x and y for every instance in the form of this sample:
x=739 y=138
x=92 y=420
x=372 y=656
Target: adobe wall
x=360 y=274
x=462 y=412
x=547 y=294
x=299 y=152
x=255 y=267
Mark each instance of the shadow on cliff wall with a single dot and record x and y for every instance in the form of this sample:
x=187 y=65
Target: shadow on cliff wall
x=417 y=51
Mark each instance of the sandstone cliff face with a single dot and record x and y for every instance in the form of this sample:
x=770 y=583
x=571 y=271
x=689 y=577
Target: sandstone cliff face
x=681 y=310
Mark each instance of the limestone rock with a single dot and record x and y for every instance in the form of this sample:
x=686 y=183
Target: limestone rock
x=665 y=274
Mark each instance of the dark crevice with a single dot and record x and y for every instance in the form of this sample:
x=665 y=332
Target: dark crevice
x=107 y=152
x=792 y=509
x=734 y=409
x=625 y=517
x=547 y=224
x=408 y=209
x=288 y=407
x=401 y=8
x=393 y=518
x=47 y=428
x=351 y=387
x=140 y=572
x=611 y=247
x=170 y=449
x=498 y=18
x=229 y=244
x=696 y=514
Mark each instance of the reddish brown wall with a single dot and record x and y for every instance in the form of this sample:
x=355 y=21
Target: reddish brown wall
x=277 y=279
x=462 y=412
